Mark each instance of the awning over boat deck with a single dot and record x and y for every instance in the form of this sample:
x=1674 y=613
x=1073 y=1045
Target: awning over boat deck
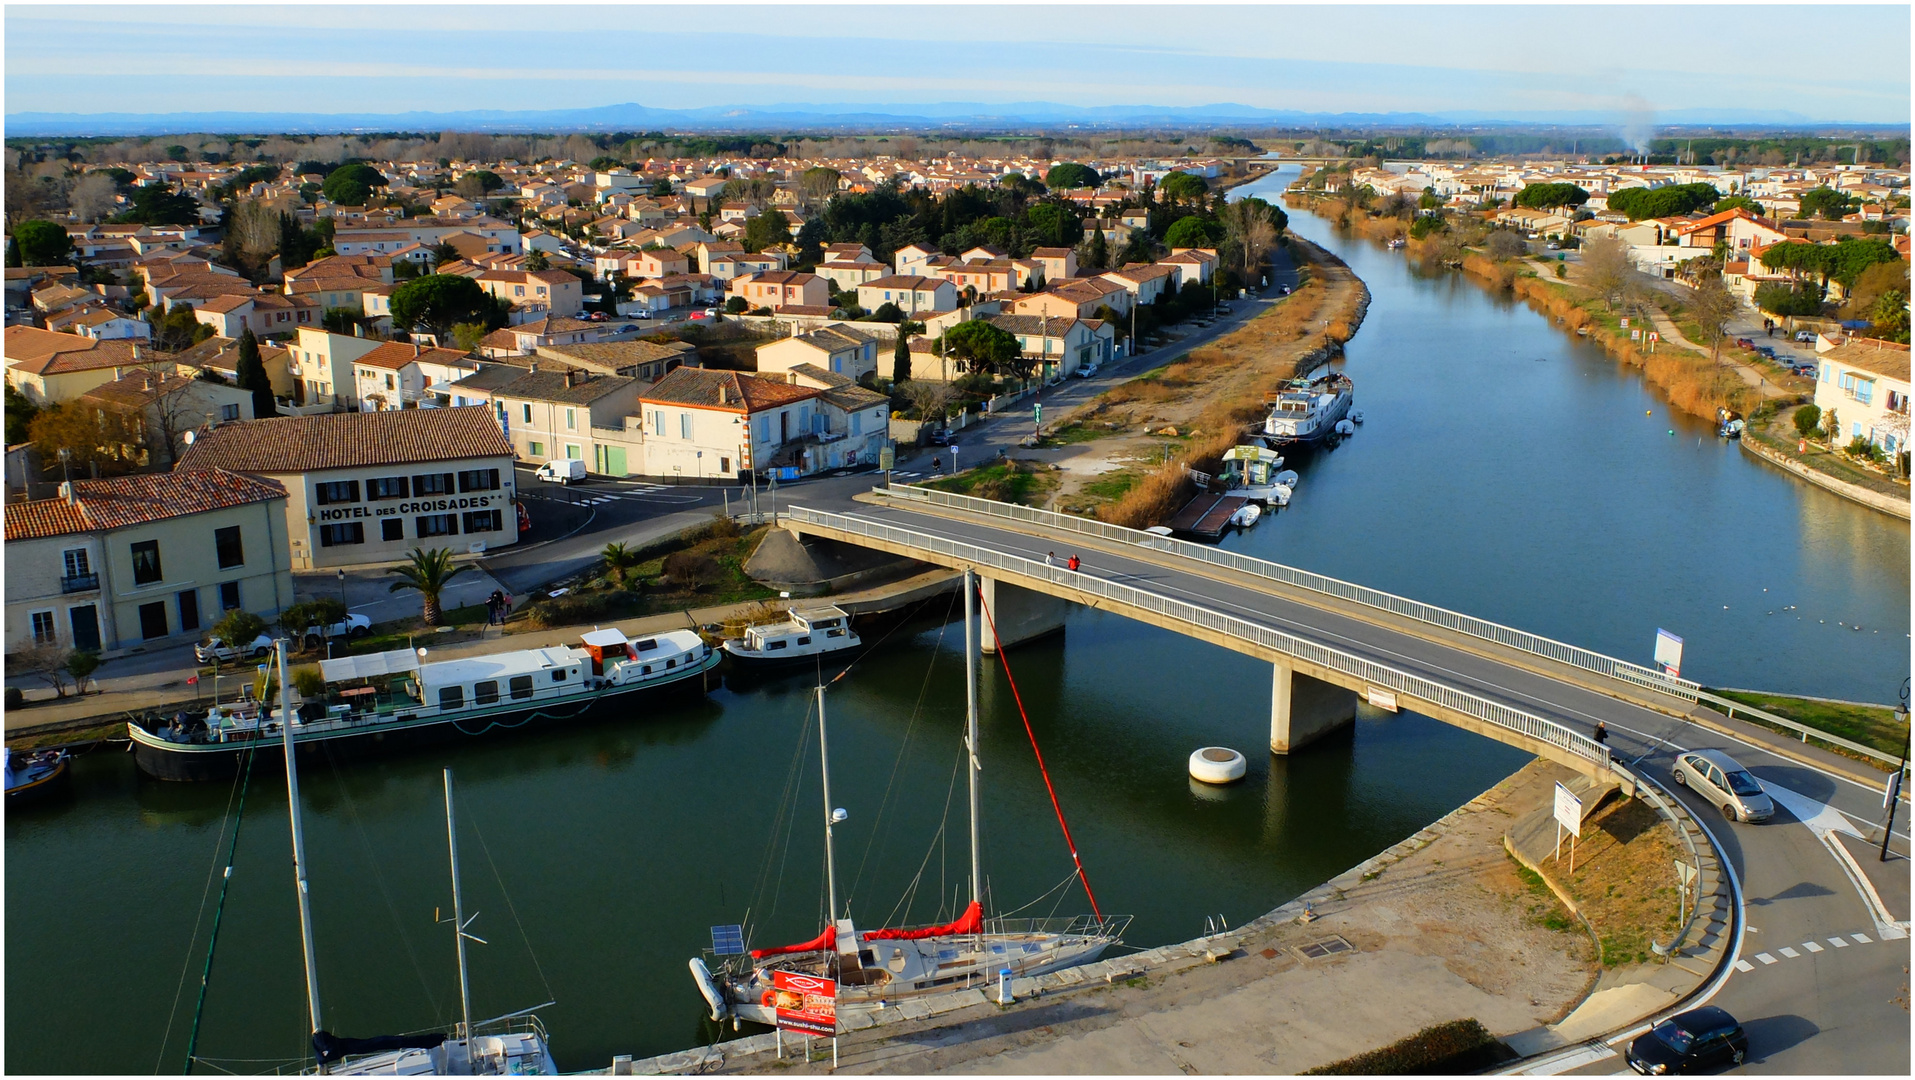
x=369 y=666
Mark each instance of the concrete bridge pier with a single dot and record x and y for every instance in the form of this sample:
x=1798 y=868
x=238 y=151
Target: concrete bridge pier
x=1020 y=614
x=1303 y=709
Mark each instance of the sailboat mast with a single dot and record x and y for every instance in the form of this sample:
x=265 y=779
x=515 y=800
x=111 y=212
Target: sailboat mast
x=831 y=863
x=299 y=842
x=970 y=731
x=458 y=912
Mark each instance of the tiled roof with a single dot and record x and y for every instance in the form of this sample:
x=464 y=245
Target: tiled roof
x=1885 y=358
x=124 y=501
x=137 y=388
x=397 y=354
x=731 y=390
x=44 y=352
x=617 y=355
x=911 y=282
x=290 y=444
x=552 y=386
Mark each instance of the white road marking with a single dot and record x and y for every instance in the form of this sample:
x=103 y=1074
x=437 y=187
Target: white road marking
x=1744 y=965
x=1814 y=813
x=1811 y=946
x=1576 y=1059
x=1788 y=952
x=1838 y=943
x=1765 y=958
x=1860 y=939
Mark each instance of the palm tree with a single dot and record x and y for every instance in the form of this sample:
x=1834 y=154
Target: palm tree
x=429 y=573
x=619 y=560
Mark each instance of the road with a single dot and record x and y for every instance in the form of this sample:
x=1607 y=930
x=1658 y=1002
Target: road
x=1827 y=1008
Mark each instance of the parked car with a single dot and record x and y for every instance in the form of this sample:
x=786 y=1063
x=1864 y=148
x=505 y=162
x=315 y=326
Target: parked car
x=597 y=316
x=642 y=315
x=1765 y=350
x=711 y=313
x=214 y=649
x=352 y=626
x=1698 y=1039
x=1716 y=777
x=561 y=471
x=1744 y=343
x=940 y=437
x=1805 y=369
x=1805 y=335
x=1087 y=371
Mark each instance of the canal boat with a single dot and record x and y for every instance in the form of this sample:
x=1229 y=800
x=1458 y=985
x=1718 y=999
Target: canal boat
x=385 y=700
x=876 y=968
x=1306 y=411
x=33 y=776
x=1249 y=514
x=1252 y=472
x=804 y=634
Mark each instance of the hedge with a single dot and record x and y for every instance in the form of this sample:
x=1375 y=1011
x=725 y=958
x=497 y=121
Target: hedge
x=1460 y=1046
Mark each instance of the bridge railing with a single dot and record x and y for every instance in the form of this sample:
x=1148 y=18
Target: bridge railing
x=1482 y=629
x=1379 y=675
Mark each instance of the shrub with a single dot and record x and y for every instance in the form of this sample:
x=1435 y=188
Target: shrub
x=308 y=681
x=721 y=527
x=14 y=698
x=81 y=664
x=690 y=569
x=1460 y=1046
x=583 y=607
x=1807 y=419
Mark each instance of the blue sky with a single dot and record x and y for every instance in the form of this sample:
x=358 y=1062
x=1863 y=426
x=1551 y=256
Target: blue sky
x=1853 y=66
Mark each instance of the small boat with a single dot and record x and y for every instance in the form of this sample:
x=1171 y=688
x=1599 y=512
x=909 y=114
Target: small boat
x=1247 y=515
x=1345 y=427
x=33 y=776
x=1305 y=411
x=803 y=634
x=1287 y=478
x=1356 y=415
x=1729 y=424
x=1396 y=242
x=1160 y=530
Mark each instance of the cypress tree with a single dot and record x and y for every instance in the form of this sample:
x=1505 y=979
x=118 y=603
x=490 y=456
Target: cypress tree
x=901 y=361
x=251 y=374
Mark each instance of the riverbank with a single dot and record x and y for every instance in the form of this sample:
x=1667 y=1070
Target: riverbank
x=1133 y=443
x=1443 y=926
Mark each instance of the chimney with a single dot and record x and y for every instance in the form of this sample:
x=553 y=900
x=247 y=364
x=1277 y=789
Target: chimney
x=66 y=492
x=534 y=366
x=571 y=379
x=415 y=348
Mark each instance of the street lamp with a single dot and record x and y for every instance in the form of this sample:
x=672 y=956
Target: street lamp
x=1894 y=790
x=342 y=584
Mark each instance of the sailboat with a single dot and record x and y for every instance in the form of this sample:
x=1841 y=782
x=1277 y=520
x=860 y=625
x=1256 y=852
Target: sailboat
x=511 y=1045
x=875 y=968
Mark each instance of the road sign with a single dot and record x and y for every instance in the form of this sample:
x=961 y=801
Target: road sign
x=1625 y=322
x=805 y=1004
x=1569 y=810
x=1037 y=412
x=1669 y=652
x=1635 y=335
x=1382 y=699
x=1654 y=336
x=888 y=457
x=1684 y=872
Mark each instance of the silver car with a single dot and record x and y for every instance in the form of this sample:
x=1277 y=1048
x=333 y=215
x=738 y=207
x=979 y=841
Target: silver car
x=1716 y=777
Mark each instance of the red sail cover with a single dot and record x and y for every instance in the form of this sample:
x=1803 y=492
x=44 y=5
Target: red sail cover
x=971 y=923
x=825 y=941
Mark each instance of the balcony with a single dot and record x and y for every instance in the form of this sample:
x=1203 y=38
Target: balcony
x=73 y=583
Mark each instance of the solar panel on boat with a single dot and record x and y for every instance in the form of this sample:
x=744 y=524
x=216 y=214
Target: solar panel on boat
x=728 y=940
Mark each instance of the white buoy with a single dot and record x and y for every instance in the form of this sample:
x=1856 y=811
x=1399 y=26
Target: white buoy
x=1217 y=765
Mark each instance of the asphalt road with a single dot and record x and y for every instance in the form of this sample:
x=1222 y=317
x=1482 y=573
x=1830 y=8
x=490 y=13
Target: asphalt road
x=1841 y=1009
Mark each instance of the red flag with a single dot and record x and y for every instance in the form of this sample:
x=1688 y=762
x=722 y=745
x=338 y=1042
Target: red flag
x=192 y=680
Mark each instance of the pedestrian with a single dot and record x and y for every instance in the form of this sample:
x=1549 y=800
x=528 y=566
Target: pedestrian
x=1050 y=559
x=1074 y=564
x=1602 y=734
x=937 y=464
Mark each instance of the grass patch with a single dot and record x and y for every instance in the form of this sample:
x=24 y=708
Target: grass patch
x=1022 y=482
x=1872 y=726
x=1624 y=879
x=1074 y=433
x=1545 y=910
x=1113 y=485
x=111 y=730
x=1458 y=1047
x=1779 y=435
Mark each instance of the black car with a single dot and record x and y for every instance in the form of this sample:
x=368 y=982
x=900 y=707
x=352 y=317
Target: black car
x=940 y=438
x=1704 y=1038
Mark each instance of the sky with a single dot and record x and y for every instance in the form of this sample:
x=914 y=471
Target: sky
x=327 y=58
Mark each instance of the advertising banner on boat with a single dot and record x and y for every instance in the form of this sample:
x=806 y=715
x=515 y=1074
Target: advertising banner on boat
x=806 y=1004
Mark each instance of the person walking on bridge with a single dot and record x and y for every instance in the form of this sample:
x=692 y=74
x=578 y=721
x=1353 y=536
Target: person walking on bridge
x=1074 y=564
x=1602 y=734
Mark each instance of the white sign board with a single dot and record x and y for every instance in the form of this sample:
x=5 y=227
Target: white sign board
x=1684 y=872
x=1382 y=699
x=1669 y=652
x=1569 y=811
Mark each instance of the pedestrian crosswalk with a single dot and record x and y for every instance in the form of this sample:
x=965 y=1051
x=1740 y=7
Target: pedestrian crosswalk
x=1789 y=952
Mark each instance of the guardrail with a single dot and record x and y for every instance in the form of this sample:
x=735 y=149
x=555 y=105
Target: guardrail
x=1514 y=720
x=1483 y=629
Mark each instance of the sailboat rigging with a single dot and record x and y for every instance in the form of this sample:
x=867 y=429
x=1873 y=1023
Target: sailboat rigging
x=876 y=967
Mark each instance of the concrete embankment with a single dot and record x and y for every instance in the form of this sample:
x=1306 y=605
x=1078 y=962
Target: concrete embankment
x=1439 y=927
x=1887 y=504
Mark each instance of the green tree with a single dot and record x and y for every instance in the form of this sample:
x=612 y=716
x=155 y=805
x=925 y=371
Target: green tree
x=427 y=572
x=81 y=664
x=1182 y=186
x=1736 y=202
x=1053 y=225
x=20 y=411
x=238 y=628
x=1807 y=419
x=1071 y=175
x=437 y=302
x=1099 y=250
x=901 y=360
x=1831 y=204
x=988 y=348
x=466 y=336
x=737 y=305
x=768 y=229
x=1545 y=196
x=537 y=261
x=619 y=562
x=1666 y=201
x=1782 y=301
x=251 y=375
x=662 y=188
x=13 y=252
x=1193 y=232
x=159 y=204
x=43 y=243
x=352 y=185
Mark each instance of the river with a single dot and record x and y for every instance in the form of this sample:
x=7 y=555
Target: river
x=1503 y=469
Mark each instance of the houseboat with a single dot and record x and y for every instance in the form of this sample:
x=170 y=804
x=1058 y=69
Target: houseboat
x=802 y=635
x=1306 y=411
x=1253 y=472
x=391 y=699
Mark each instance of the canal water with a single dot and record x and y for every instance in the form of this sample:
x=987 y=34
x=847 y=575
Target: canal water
x=1503 y=469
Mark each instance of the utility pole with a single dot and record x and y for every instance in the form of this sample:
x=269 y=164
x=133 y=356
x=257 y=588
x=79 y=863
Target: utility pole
x=1894 y=789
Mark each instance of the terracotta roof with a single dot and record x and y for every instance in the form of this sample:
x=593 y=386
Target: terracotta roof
x=552 y=386
x=137 y=388
x=840 y=390
x=35 y=351
x=397 y=354
x=912 y=282
x=1054 y=326
x=291 y=444
x=1885 y=358
x=125 y=501
x=730 y=390
x=618 y=355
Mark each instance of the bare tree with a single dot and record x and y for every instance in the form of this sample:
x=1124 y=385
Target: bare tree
x=93 y=197
x=255 y=226
x=929 y=398
x=1249 y=226
x=1607 y=269
x=46 y=662
x=1503 y=244
x=1714 y=306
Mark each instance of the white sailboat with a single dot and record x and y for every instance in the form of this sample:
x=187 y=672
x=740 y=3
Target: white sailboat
x=875 y=968
x=511 y=1045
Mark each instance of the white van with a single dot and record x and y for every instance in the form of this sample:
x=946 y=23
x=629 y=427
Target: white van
x=561 y=470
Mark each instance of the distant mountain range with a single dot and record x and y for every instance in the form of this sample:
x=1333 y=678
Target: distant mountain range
x=944 y=116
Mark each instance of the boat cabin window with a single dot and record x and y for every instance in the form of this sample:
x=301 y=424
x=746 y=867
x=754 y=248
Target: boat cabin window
x=772 y=646
x=836 y=631
x=648 y=645
x=806 y=640
x=670 y=664
x=485 y=693
x=451 y=697
x=647 y=670
x=559 y=675
x=521 y=687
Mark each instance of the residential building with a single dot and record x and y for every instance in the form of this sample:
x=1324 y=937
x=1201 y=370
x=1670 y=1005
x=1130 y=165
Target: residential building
x=779 y=288
x=910 y=292
x=1738 y=228
x=49 y=368
x=1078 y=298
x=549 y=292
x=161 y=404
x=370 y=487
x=1061 y=345
x=146 y=559
x=856 y=424
x=837 y=348
x=702 y=423
x=1059 y=263
x=398 y=375
x=1865 y=383
x=1145 y=282
x=549 y=414
x=267 y=313
x=321 y=366
x=910 y=258
x=646 y=361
